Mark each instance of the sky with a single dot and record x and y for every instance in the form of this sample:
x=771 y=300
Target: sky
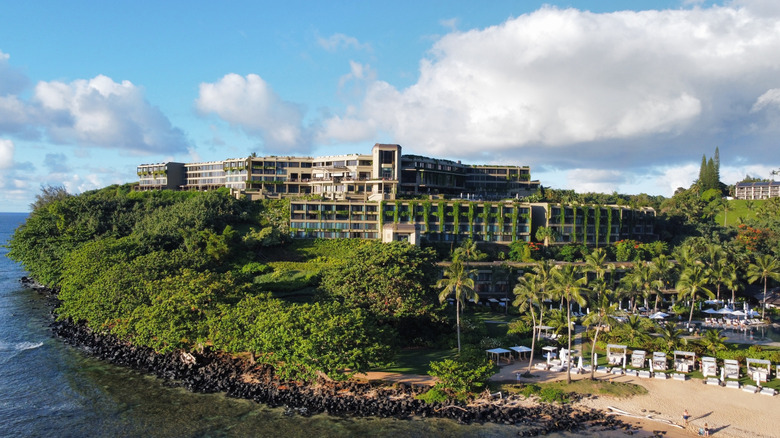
x=592 y=96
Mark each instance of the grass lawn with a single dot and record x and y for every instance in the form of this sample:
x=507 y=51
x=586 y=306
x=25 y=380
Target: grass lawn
x=415 y=361
x=737 y=208
x=582 y=386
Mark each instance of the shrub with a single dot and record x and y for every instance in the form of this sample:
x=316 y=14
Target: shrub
x=433 y=395
x=553 y=395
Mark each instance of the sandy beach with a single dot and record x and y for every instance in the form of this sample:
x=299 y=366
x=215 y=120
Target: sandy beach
x=728 y=412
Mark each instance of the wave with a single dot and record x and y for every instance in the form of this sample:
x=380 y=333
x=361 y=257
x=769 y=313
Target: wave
x=19 y=346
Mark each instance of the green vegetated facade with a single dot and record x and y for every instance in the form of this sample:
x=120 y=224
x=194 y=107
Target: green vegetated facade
x=600 y=225
x=457 y=220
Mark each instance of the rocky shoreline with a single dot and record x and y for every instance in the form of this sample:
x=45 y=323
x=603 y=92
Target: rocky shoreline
x=210 y=372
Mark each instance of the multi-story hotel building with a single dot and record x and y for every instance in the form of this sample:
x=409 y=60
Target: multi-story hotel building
x=389 y=196
x=383 y=174
x=757 y=190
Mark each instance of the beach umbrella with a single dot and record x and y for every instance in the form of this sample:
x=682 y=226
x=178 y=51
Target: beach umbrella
x=710 y=311
x=659 y=315
x=725 y=311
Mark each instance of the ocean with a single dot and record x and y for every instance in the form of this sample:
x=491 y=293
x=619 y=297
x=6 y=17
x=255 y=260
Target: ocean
x=50 y=389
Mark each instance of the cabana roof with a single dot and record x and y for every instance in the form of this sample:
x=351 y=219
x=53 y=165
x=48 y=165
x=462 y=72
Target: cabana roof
x=684 y=353
x=520 y=349
x=659 y=354
x=708 y=359
x=758 y=362
x=730 y=362
x=616 y=347
x=498 y=351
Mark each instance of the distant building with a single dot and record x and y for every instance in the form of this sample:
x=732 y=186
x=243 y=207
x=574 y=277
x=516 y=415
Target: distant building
x=383 y=174
x=757 y=190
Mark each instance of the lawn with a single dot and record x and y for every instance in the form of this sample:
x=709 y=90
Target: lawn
x=581 y=386
x=738 y=208
x=415 y=361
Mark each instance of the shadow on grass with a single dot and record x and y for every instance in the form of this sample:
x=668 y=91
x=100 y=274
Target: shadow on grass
x=415 y=361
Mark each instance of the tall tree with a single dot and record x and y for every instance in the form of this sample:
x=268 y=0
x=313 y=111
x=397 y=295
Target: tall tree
x=693 y=283
x=528 y=294
x=459 y=282
x=604 y=313
x=766 y=267
x=665 y=270
x=570 y=284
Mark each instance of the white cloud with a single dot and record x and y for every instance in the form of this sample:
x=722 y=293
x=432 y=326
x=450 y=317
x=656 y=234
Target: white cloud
x=340 y=41
x=573 y=89
x=6 y=153
x=101 y=112
x=250 y=104
x=770 y=98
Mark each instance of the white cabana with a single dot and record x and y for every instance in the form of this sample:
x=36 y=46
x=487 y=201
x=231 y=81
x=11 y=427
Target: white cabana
x=566 y=354
x=521 y=349
x=758 y=369
x=731 y=369
x=638 y=358
x=542 y=328
x=684 y=361
x=659 y=361
x=709 y=367
x=549 y=352
x=659 y=315
x=616 y=354
x=497 y=353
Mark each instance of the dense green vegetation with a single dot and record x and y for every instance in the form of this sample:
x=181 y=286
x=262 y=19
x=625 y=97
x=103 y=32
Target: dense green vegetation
x=187 y=270
x=190 y=270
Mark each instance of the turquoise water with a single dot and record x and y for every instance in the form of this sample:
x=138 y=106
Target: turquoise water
x=48 y=389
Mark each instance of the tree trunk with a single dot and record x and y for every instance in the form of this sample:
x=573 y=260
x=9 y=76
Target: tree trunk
x=568 y=320
x=657 y=296
x=690 y=317
x=593 y=354
x=533 y=340
x=763 y=304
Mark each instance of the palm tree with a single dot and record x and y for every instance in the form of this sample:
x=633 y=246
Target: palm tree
x=603 y=314
x=731 y=280
x=713 y=341
x=570 y=285
x=635 y=328
x=596 y=262
x=672 y=336
x=459 y=282
x=646 y=279
x=468 y=252
x=693 y=282
x=764 y=268
x=716 y=263
x=665 y=270
x=528 y=294
x=543 y=270
x=546 y=234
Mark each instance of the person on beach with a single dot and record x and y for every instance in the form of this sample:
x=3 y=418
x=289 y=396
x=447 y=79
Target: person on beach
x=686 y=416
x=706 y=430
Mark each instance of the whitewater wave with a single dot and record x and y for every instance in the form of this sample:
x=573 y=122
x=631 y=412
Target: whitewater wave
x=19 y=346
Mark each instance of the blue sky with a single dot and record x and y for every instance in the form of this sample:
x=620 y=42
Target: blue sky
x=592 y=96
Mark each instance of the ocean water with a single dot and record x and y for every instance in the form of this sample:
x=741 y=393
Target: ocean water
x=49 y=389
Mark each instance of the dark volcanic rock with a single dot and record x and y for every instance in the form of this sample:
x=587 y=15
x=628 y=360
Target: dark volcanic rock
x=212 y=371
